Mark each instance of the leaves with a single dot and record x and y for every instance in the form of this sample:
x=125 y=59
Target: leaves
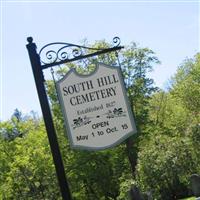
x=170 y=154
x=27 y=170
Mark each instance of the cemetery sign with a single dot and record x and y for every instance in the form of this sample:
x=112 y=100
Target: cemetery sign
x=95 y=107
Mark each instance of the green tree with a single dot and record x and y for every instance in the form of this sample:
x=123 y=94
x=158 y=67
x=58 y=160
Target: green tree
x=170 y=154
x=165 y=166
x=26 y=167
x=136 y=63
x=185 y=85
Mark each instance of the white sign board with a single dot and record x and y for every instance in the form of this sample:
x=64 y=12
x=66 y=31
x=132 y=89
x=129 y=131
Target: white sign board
x=95 y=107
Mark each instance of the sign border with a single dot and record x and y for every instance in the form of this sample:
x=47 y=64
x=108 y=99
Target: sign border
x=73 y=70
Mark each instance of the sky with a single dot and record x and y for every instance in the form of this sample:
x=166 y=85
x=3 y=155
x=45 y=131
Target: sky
x=169 y=28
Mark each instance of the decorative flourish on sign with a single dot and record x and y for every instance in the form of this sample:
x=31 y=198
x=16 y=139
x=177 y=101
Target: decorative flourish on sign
x=117 y=112
x=61 y=51
x=81 y=121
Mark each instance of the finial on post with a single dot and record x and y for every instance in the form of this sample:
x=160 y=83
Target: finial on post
x=30 y=40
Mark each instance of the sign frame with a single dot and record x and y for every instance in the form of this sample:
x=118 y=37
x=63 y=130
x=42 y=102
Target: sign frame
x=64 y=109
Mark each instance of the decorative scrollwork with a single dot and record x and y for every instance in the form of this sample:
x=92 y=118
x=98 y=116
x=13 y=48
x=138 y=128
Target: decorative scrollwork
x=60 y=51
x=116 y=41
x=77 y=52
x=51 y=55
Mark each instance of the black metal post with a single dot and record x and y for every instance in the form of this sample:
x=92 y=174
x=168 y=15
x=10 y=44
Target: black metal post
x=39 y=81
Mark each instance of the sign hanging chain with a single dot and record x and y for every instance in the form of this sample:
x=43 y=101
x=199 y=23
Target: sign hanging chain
x=52 y=73
x=120 y=66
x=117 y=56
x=54 y=81
x=126 y=85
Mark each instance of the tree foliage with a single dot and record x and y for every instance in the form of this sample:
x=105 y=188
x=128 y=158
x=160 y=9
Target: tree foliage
x=171 y=154
x=26 y=167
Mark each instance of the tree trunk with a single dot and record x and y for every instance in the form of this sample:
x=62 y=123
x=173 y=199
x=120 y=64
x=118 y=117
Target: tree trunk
x=131 y=153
